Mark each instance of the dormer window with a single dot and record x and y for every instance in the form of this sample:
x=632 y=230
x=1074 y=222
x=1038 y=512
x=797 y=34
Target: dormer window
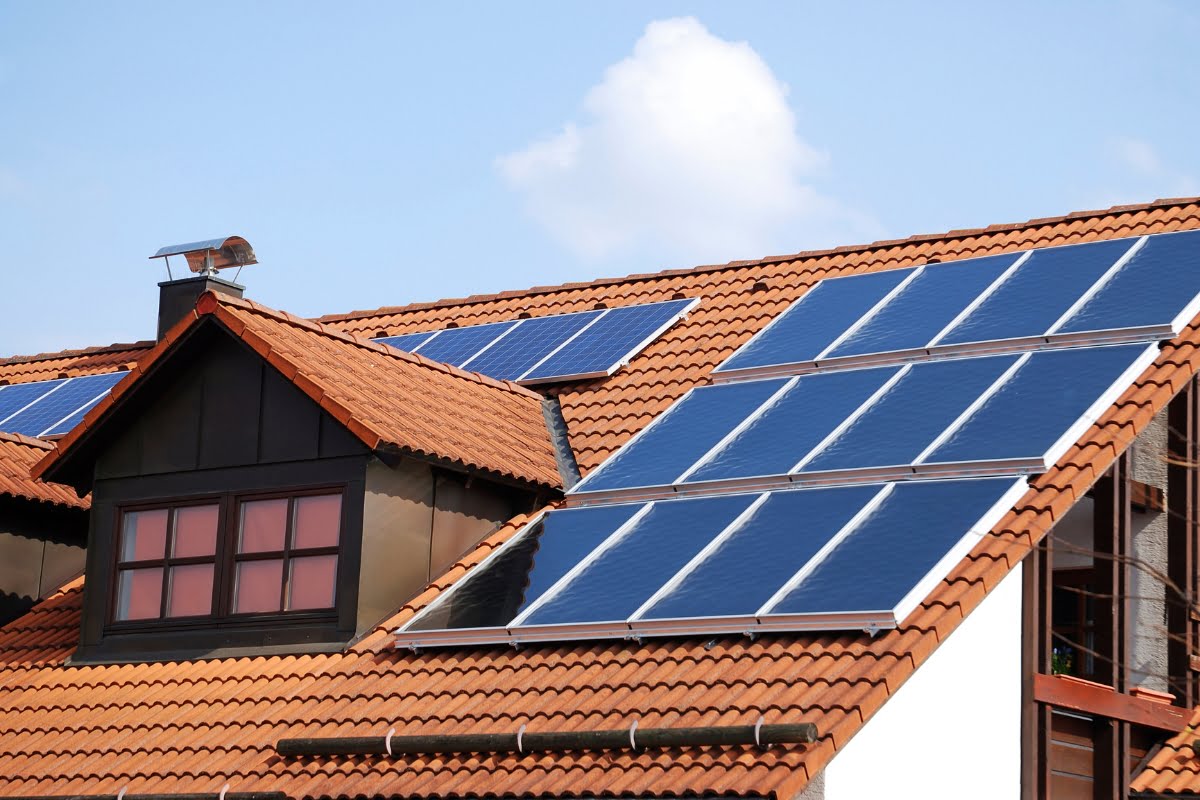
x=167 y=559
x=232 y=557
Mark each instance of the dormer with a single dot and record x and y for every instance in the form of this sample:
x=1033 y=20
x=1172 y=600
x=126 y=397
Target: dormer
x=261 y=483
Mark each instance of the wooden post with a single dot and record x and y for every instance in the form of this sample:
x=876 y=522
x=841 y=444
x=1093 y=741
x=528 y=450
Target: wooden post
x=1182 y=531
x=1036 y=647
x=1112 y=544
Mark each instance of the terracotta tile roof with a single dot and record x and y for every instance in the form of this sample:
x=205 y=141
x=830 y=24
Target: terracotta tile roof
x=191 y=727
x=385 y=397
x=18 y=454
x=71 y=363
x=737 y=299
x=1175 y=769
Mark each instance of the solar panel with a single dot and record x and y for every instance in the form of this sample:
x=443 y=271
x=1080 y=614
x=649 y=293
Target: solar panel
x=52 y=408
x=92 y=388
x=609 y=342
x=1004 y=414
x=845 y=458
x=825 y=559
x=409 y=342
x=924 y=307
x=459 y=345
x=1051 y=396
x=1109 y=291
x=14 y=399
x=1135 y=295
x=762 y=554
x=1039 y=292
x=917 y=529
x=897 y=427
x=618 y=579
x=529 y=343
x=585 y=344
x=774 y=441
x=814 y=322
x=677 y=439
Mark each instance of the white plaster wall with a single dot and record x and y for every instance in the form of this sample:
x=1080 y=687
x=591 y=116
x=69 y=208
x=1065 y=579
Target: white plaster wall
x=954 y=729
x=1148 y=457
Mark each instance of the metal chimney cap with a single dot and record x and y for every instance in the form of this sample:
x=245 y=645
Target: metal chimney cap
x=211 y=255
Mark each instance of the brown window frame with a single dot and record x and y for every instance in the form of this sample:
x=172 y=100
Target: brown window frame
x=225 y=561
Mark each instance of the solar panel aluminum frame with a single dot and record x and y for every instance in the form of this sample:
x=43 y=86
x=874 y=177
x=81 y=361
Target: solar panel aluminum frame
x=871 y=621
x=624 y=360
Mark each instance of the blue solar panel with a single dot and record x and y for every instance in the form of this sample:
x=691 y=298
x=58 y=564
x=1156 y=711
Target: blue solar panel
x=407 y=342
x=813 y=322
x=925 y=306
x=614 y=337
x=458 y=345
x=1039 y=403
x=895 y=547
x=1041 y=290
x=92 y=388
x=792 y=426
x=636 y=565
x=529 y=343
x=1152 y=288
x=522 y=572
x=63 y=402
x=16 y=397
x=911 y=414
x=678 y=438
x=758 y=558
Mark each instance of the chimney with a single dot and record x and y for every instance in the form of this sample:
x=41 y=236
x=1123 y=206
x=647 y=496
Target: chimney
x=205 y=259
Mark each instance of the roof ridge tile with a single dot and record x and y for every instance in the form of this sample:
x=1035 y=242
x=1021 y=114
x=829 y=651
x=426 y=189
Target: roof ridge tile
x=317 y=326
x=960 y=233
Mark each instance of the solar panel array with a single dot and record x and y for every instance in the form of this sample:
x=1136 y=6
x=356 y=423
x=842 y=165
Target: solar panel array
x=586 y=344
x=845 y=459
x=1111 y=291
x=52 y=408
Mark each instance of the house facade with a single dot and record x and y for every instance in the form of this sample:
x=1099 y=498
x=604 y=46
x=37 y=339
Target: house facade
x=269 y=505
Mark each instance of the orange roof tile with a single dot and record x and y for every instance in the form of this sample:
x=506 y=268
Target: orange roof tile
x=385 y=397
x=192 y=727
x=1175 y=769
x=71 y=363
x=18 y=454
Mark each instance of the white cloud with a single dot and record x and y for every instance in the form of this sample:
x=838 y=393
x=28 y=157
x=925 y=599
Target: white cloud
x=687 y=148
x=1145 y=172
x=1137 y=155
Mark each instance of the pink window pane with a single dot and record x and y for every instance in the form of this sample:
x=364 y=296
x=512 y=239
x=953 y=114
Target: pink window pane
x=144 y=535
x=263 y=526
x=311 y=584
x=195 y=531
x=258 y=586
x=190 y=592
x=318 y=521
x=139 y=593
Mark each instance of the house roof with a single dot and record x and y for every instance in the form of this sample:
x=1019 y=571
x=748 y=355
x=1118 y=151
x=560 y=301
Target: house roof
x=194 y=726
x=71 y=363
x=386 y=398
x=18 y=454
x=1175 y=769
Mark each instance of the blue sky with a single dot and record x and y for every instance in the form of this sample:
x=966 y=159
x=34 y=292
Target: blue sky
x=383 y=153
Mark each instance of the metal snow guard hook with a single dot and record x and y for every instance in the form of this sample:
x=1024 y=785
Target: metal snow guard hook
x=211 y=255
